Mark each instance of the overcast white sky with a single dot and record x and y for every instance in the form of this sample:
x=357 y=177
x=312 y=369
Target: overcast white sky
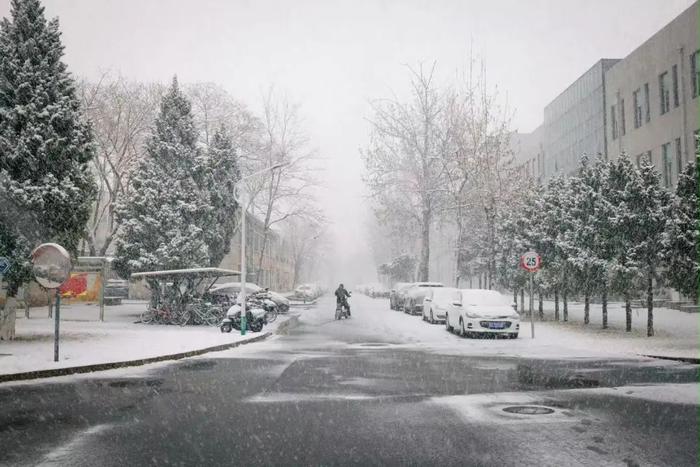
x=334 y=55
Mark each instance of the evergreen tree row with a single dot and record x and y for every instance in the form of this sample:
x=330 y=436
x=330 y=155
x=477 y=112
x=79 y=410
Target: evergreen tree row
x=610 y=230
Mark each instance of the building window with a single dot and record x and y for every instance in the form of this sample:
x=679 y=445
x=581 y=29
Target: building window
x=647 y=103
x=643 y=158
x=664 y=93
x=679 y=156
x=695 y=72
x=623 y=130
x=637 y=103
x=666 y=163
x=613 y=121
x=674 y=77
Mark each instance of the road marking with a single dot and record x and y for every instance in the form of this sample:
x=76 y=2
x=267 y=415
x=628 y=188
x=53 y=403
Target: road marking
x=62 y=454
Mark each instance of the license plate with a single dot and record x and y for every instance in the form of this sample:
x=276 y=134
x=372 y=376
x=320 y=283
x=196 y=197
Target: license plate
x=497 y=325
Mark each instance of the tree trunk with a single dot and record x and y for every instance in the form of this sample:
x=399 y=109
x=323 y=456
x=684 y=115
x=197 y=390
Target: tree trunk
x=628 y=312
x=515 y=296
x=540 y=308
x=424 y=264
x=479 y=280
x=522 y=300
x=587 y=308
x=556 y=304
x=604 y=299
x=650 y=304
x=565 y=301
x=8 y=315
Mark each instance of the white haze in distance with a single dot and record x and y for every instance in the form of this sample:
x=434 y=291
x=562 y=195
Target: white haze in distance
x=332 y=56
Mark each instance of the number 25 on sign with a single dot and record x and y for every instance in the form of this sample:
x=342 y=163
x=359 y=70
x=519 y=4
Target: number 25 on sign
x=530 y=261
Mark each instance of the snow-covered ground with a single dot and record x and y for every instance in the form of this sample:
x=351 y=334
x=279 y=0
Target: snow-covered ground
x=84 y=340
x=676 y=334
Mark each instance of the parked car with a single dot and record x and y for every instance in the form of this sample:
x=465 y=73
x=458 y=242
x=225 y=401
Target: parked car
x=308 y=291
x=413 y=301
x=482 y=312
x=377 y=291
x=397 y=295
x=436 y=303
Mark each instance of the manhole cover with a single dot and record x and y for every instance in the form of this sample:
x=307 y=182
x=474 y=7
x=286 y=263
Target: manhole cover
x=528 y=410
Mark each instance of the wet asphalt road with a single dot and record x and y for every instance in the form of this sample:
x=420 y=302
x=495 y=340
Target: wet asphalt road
x=343 y=393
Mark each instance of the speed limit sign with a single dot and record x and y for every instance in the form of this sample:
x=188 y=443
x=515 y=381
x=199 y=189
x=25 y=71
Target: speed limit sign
x=530 y=261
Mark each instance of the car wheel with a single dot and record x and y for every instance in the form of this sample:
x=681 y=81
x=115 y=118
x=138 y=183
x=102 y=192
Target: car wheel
x=432 y=319
x=447 y=323
x=462 y=331
x=514 y=336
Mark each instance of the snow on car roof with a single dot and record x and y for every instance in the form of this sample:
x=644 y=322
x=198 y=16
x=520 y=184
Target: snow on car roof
x=484 y=297
x=429 y=284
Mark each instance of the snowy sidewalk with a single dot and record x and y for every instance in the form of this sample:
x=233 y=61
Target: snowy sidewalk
x=676 y=334
x=86 y=341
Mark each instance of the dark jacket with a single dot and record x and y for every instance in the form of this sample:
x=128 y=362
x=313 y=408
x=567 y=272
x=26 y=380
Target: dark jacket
x=341 y=294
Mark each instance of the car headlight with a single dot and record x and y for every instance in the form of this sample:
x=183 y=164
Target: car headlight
x=472 y=315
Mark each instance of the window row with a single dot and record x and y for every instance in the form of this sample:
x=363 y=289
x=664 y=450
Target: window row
x=668 y=94
x=672 y=162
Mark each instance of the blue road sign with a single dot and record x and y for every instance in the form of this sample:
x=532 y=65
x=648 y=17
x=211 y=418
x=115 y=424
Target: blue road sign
x=5 y=265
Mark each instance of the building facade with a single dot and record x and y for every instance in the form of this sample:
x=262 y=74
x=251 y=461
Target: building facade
x=277 y=270
x=574 y=122
x=528 y=152
x=652 y=98
x=644 y=105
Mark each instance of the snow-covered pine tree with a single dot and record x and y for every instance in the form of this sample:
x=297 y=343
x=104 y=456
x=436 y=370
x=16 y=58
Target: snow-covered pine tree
x=222 y=173
x=605 y=232
x=556 y=223
x=582 y=239
x=45 y=145
x=623 y=189
x=651 y=209
x=681 y=239
x=166 y=214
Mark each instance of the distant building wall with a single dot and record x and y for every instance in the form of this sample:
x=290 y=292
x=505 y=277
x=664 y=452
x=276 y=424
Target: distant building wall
x=528 y=152
x=652 y=98
x=574 y=122
x=277 y=265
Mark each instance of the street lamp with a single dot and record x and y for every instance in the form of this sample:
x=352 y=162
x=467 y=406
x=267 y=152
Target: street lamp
x=244 y=211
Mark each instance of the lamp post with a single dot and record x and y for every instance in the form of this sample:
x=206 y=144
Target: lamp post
x=244 y=211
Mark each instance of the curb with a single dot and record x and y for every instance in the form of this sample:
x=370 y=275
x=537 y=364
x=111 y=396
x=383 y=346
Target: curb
x=283 y=328
x=695 y=361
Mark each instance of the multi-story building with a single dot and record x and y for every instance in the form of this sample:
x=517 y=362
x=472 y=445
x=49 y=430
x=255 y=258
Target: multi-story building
x=574 y=122
x=652 y=98
x=277 y=270
x=528 y=151
x=645 y=105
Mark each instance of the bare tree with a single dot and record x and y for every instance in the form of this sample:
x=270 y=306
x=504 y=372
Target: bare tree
x=478 y=171
x=121 y=113
x=407 y=140
x=287 y=192
x=214 y=107
x=307 y=243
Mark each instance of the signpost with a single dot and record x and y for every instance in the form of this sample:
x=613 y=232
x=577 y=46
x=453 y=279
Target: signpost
x=531 y=262
x=51 y=266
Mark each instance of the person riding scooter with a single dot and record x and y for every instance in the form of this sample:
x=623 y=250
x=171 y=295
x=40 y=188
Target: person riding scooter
x=341 y=296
